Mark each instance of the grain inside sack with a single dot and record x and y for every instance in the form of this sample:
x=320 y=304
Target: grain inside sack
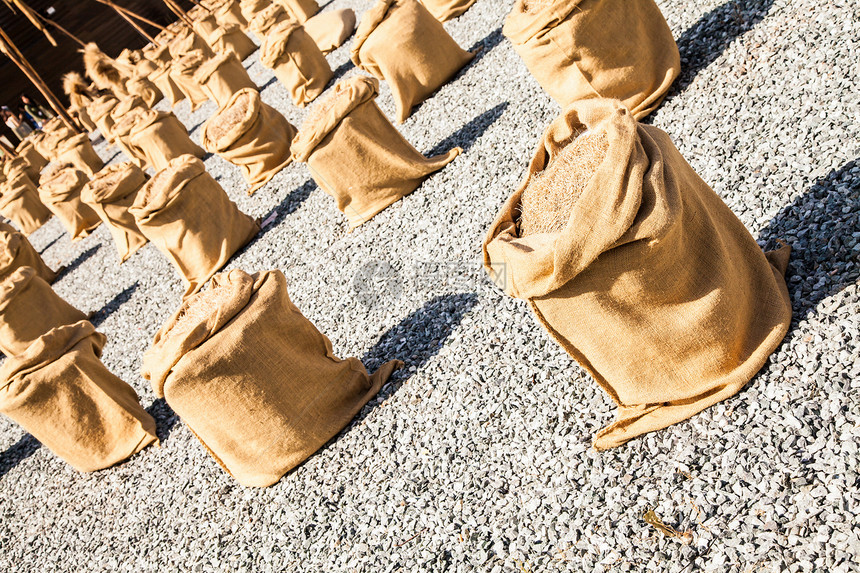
x=78 y=150
x=182 y=71
x=110 y=193
x=646 y=242
x=192 y=221
x=400 y=42
x=297 y=62
x=20 y=202
x=444 y=10
x=55 y=139
x=251 y=135
x=357 y=156
x=329 y=30
x=16 y=252
x=60 y=191
x=300 y=10
x=254 y=379
x=161 y=137
x=621 y=49
x=61 y=393
x=232 y=39
x=222 y=76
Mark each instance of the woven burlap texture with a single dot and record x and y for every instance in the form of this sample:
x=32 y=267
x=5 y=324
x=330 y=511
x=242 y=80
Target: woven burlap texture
x=444 y=10
x=16 y=252
x=79 y=151
x=61 y=193
x=20 y=202
x=121 y=131
x=297 y=62
x=222 y=76
x=161 y=137
x=654 y=286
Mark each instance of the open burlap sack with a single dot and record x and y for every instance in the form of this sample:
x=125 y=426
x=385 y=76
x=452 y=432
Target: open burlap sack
x=444 y=10
x=122 y=129
x=100 y=111
x=266 y=19
x=20 y=202
x=145 y=89
x=329 y=30
x=182 y=72
x=251 y=135
x=650 y=282
x=55 y=140
x=230 y=13
x=185 y=41
x=161 y=137
x=60 y=191
x=17 y=252
x=233 y=39
x=166 y=85
x=29 y=308
x=297 y=62
x=160 y=55
x=222 y=76
x=251 y=8
x=61 y=393
x=34 y=159
x=188 y=216
x=83 y=117
x=78 y=151
x=20 y=163
x=357 y=156
x=254 y=379
x=205 y=26
x=110 y=194
x=300 y=10
x=582 y=49
x=400 y=42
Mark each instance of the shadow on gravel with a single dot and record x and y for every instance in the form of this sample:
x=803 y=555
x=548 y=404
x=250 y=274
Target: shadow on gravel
x=290 y=204
x=79 y=260
x=113 y=305
x=484 y=46
x=18 y=452
x=272 y=80
x=165 y=418
x=467 y=135
x=339 y=72
x=825 y=257
x=49 y=245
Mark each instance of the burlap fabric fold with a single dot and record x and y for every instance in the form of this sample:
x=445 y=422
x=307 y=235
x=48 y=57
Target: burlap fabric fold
x=145 y=89
x=20 y=163
x=100 y=111
x=20 y=202
x=161 y=137
x=205 y=26
x=29 y=308
x=254 y=379
x=230 y=13
x=61 y=393
x=583 y=49
x=110 y=194
x=400 y=42
x=166 y=85
x=55 y=139
x=16 y=252
x=182 y=72
x=34 y=159
x=329 y=30
x=187 y=41
x=83 y=117
x=192 y=221
x=79 y=151
x=251 y=8
x=357 y=156
x=61 y=193
x=222 y=76
x=299 y=10
x=232 y=39
x=444 y=10
x=266 y=19
x=653 y=285
x=251 y=135
x=37 y=138
x=122 y=129
x=297 y=62
x=159 y=55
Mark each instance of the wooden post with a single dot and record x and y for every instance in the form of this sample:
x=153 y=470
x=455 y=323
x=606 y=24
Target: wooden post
x=31 y=16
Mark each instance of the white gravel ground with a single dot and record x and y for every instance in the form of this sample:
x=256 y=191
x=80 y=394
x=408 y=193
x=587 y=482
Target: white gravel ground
x=477 y=456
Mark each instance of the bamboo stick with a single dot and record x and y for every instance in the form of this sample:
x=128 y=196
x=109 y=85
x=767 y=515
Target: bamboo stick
x=60 y=28
x=30 y=15
x=180 y=13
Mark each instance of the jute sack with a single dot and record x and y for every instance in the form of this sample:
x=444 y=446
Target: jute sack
x=20 y=202
x=182 y=72
x=83 y=117
x=110 y=194
x=121 y=130
x=300 y=10
x=145 y=89
x=34 y=159
x=329 y=30
x=78 y=151
x=400 y=42
x=187 y=41
x=100 y=112
x=651 y=283
x=205 y=26
x=60 y=191
x=357 y=156
x=222 y=76
x=230 y=13
x=251 y=8
x=444 y=10
x=233 y=39
x=61 y=393
x=188 y=216
x=254 y=379
x=297 y=62
x=55 y=140
x=581 y=49
x=161 y=137
x=160 y=55
x=251 y=135
x=161 y=78
x=16 y=252
x=20 y=163
x=29 y=308
x=37 y=138
x=266 y=19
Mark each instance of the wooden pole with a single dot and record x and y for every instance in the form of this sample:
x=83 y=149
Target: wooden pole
x=180 y=13
x=128 y=12
x=31 y=16
x=134 y=25
x=7 y=151
x=60 y=28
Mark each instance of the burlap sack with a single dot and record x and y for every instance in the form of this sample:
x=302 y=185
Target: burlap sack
x=110 y=194
x=16 y=252
x=222 y=76
x=329 y=30
x=37 y=138
x=160 y=55
x=83 y=117
x=299 y=10
x=161 y=137
x=232 y=39
x=297 y=62
x=145 y=89
x=205 y=26
x=188 y=216
x=581 y=49
x=56 y=139
x=400 y=42
x=185 y=41
x=78 y=151
x=34 y=159
x=357 y=156
x=653 y=285
x=230 y=13
x=20 y=163
x=61 y=193
x=19 y=201
x=100 y=112
x=122 y=129
x=444 y=10
x=254 y=379
x=266 y=19
x=251 y=8
x=29 y=308
x=161 y=78
x=182 y=72
x=61 y=393
x=251 y=135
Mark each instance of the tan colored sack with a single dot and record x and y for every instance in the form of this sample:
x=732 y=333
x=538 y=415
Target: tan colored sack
x=222 y=76
x=122 y=129
x=17 y=252
x=161 y=137
x=161 y=78
x=55 y=139
x=83 y=117
x=444 y=10
x=20 y=202
x=187 y=41
x=357 y=156
x=160 y=55
x=329 y=30
x=230 y=13
x=266 y=19
x=251 y=8
x=582 y=49
x=110 y=194
x=182 y=72
x=653 y=285
x=232 y=39
x=400 y=42
x=78 y=151
x=61 y=393
x=34 y=159
x=145 y=89
x=100 y=111
x=297 y=62
x=205 y=26
x=29 y=308
x=60 y=191
x=20 y=163
x=299 y=10
x=254 y=379
x=188 y=216
x=251 y=135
